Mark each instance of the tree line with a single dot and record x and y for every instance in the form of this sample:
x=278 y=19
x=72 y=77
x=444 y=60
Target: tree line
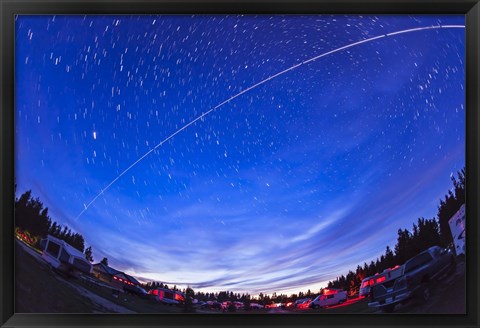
x=245 y=298
x=424 y=234
x=32 y=216
x=223 y=296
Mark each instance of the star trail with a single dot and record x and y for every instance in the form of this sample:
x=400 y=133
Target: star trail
x=248 y=153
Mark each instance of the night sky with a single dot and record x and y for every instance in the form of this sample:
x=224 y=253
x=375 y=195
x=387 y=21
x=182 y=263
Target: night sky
x=286 y=186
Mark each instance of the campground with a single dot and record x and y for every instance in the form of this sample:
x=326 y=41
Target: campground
x=38 y=289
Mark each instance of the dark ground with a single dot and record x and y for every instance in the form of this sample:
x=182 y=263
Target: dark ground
x=40 y=290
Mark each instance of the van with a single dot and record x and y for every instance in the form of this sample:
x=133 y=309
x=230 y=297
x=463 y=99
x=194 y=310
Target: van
x=329 y=297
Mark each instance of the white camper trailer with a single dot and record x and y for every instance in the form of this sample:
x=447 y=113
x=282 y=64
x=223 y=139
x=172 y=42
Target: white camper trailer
x=457 y=228
x=64 y=257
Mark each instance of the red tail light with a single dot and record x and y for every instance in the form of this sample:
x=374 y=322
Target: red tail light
x=381 y=279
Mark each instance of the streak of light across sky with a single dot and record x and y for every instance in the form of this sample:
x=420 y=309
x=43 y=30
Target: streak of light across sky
x=299 y=178
x=253 y=87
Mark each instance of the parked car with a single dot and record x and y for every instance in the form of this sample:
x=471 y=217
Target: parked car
x=136 y=290
x=213 y=305
x=303 y=303
x=168 y=301
x=256 y=306
x=199 y=304
x=328 y=298
x=365 y=286
x=417 y=277
x=168 y=296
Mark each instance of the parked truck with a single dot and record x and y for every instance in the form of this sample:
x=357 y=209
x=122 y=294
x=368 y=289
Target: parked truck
x=418 y=274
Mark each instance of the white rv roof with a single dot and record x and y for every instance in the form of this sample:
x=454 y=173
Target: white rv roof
x=68 y=248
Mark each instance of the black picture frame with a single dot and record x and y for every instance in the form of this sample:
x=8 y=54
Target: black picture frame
x=9 y=8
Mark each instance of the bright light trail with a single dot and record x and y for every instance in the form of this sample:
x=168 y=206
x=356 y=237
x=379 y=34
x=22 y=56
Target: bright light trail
x=255 y=86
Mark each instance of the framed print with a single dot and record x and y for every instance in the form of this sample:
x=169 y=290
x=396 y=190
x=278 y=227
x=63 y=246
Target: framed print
x=224 y=162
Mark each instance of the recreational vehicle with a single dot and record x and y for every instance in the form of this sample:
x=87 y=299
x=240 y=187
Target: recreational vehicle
x=64 y=257
x=457 y=228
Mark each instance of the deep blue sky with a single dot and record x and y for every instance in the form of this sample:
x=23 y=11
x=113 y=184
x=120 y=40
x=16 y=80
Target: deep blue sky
x=283 y=188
